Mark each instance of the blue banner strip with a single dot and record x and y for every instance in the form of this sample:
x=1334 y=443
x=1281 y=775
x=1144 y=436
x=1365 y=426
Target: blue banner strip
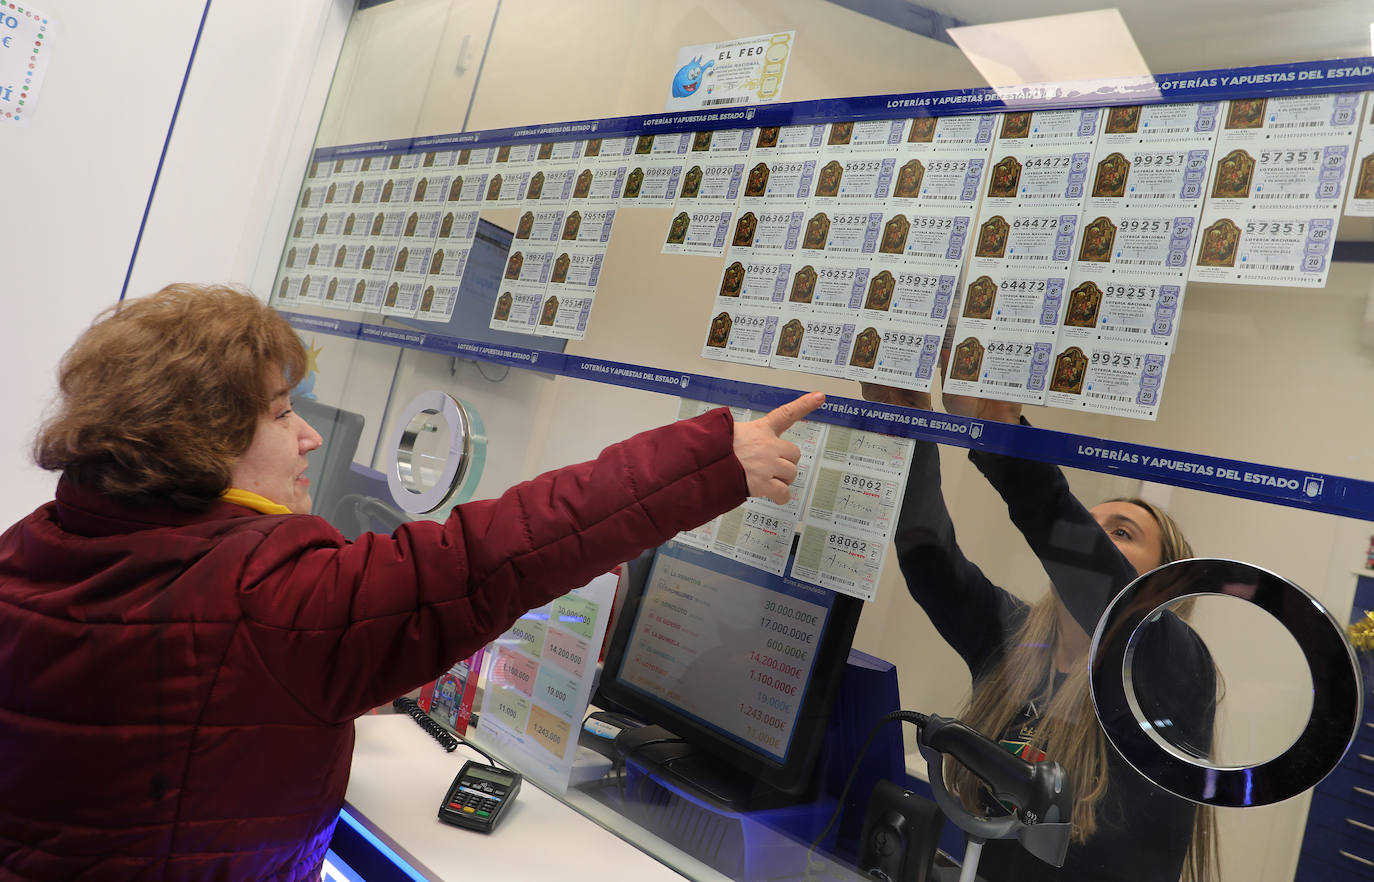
x=1304 y=78
x=1315 y=491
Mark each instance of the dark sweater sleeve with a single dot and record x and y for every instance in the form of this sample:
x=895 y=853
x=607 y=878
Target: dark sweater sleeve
x=973 y=615
x=1083 y=563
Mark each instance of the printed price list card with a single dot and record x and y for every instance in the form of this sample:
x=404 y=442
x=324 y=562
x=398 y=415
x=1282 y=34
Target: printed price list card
x=539 y=679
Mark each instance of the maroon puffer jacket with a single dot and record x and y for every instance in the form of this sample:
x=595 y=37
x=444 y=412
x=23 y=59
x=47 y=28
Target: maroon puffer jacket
x=177 y=691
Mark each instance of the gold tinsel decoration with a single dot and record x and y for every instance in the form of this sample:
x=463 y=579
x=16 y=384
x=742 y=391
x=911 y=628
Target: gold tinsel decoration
x=1362 y=632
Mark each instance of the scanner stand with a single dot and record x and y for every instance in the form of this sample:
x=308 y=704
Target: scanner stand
x=1040 y=791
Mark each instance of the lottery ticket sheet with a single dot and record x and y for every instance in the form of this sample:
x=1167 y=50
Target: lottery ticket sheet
x=940 y=167
x=1027 y=229
x=710 y=181
x=852 y=510
x=709 y=185
x=723 y=143
x=383 y=234
x=598 y=182
x=655 y=170
x=555 y=168
x=1129 y=276
x=1277 y=187
x=520 y=307
x=701 y=231
x=1033 y=328
x=843 y=505
x=758 y=533
x=510 y=175
x=847 y=246
x=780 y=141
x=450 y=228
x=579 y=251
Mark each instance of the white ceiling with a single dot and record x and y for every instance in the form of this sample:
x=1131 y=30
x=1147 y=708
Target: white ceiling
x=1179 y=35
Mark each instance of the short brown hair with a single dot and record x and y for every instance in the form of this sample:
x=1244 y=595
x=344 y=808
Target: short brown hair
x=162 y=394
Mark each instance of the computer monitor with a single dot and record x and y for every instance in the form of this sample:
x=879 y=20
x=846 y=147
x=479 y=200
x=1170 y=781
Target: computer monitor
x=740 y=664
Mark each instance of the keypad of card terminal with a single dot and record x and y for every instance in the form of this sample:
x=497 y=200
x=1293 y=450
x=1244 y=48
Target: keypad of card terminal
x=478 y=796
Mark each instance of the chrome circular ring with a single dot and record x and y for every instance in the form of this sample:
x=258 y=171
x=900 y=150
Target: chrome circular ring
x=1337 y=693
x=403 y=475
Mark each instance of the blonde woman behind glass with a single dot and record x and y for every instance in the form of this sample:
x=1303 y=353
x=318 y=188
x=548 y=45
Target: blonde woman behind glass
x=1029 y=662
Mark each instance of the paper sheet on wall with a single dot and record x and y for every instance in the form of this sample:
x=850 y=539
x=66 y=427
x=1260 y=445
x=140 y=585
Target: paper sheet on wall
x=746 y=70
x=1130 y=272
x=1086 y=231
x=388 y=234
x=655 y=169
x=1278 y=181
x=849 y=241
x=539 y=680
x=580 y=243
x=25 y=47
x=1028 y=225
x=851 y=512
x=843 y=503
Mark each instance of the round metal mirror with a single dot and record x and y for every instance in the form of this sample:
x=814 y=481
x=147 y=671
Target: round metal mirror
x=436 y=445
x=1224 y=683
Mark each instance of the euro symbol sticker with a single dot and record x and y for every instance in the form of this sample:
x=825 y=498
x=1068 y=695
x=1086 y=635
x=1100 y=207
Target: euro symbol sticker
x=6 y=42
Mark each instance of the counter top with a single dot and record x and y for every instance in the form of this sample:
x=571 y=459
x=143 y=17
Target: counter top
x=400 y=775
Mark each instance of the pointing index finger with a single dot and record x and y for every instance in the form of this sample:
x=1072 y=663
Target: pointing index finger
x=781 y=418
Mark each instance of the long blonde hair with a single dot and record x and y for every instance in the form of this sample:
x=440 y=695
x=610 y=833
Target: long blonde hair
x=1068 y=730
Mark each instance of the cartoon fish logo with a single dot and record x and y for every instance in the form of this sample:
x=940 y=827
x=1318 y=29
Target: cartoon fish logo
x=688 y=77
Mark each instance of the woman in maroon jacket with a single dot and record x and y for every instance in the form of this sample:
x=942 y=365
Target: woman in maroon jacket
x=184 y=651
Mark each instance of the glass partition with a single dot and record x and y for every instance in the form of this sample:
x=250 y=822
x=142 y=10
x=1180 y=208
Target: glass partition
x=1148 y=228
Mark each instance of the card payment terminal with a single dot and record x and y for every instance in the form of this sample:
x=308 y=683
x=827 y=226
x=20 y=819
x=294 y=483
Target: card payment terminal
x=478 y=796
